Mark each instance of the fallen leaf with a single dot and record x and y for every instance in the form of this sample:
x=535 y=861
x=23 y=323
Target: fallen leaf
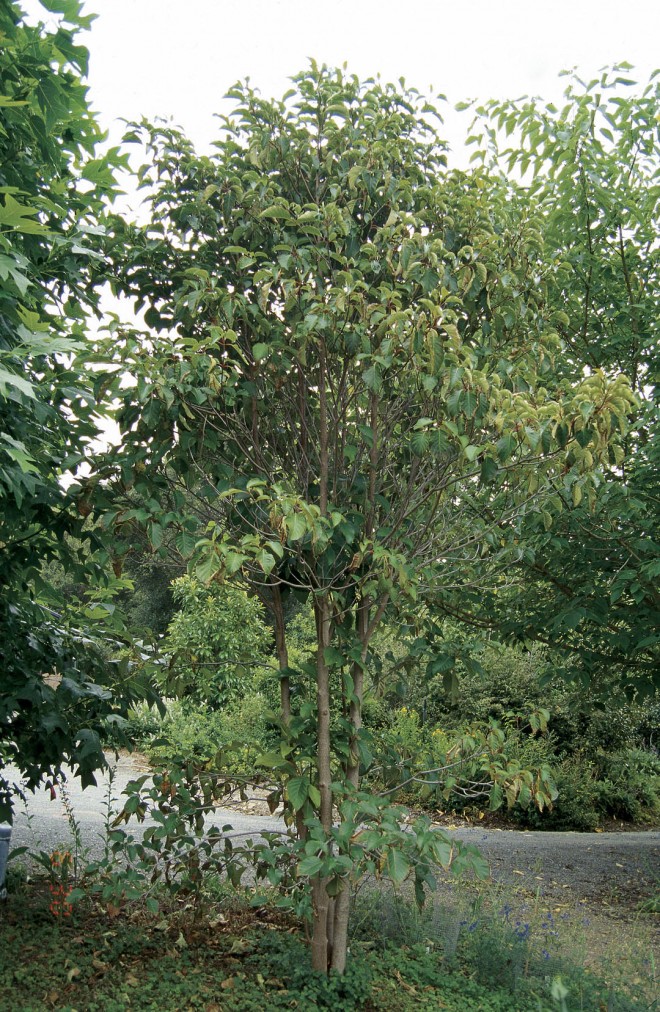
x=227 y=983
x=73 y=973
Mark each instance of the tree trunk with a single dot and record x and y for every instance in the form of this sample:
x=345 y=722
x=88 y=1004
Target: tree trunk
x=282 y=652
x=342 y=905
x=323 y=905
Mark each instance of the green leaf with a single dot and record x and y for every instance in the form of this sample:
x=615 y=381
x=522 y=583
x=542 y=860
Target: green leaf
x=468 y=402
x=266 y=561
x=315 y=796
x=19 y=217
x=208 y=567
x=310 y=866
x=275 y=211
x=12 y=380
x=297 y=792
x=186 y=543
x=333 y=657
x=296 y=526
x=372 y=377
x=397 y=865
x=233 y=562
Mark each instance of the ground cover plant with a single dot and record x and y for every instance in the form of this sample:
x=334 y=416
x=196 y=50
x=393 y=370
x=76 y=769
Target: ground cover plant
x=241 y=954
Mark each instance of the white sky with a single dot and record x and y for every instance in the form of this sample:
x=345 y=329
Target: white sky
x=177 y=58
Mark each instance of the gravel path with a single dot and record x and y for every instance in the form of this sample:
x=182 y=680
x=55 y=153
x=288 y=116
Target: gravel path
x=611 y=868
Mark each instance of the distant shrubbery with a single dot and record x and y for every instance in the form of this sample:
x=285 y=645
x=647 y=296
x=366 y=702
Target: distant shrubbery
x=603 y=761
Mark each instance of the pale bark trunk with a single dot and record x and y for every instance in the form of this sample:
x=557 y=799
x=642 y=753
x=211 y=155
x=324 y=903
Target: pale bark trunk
x=282 y=653
x=323 y=905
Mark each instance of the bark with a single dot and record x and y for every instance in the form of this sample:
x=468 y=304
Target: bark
x=282 y=652
x=323 y=905
x=342 y=905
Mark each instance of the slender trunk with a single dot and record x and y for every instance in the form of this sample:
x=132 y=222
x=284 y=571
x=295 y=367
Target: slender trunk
x=342 y=905
x=323 y=905
x=323 y=432
x=366 y=625
x=282 y=653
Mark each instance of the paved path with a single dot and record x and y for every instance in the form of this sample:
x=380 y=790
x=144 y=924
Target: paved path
x=622 y=866
x=43 y=823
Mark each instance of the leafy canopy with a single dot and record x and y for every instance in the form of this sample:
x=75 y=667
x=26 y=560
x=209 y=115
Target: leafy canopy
x=52 y=193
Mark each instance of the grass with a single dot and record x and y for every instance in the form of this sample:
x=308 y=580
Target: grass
x=472 y=954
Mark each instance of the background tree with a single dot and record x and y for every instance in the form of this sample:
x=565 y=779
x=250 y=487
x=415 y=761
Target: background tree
x=218 y=642
x=352 y=377
x=52 y=191
x=588 y=581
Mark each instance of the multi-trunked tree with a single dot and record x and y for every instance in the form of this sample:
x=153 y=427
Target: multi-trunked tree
x=348 y=393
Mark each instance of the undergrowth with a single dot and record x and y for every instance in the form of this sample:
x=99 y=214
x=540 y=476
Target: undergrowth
x=246 y=958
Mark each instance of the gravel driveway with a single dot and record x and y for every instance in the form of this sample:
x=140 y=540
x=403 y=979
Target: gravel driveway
x=616 y=868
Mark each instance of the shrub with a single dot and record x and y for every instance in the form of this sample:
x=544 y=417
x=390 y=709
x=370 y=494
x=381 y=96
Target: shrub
x=628 y=785
x=576 y=804
x=234 y=737
x=217 y=641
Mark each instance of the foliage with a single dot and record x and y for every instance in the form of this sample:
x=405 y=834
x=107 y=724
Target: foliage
x=233 y=738
x=253 y=958
x=217 y=641
x=349 y=394
x=600 y=756
x=467 y=766
x=588 y=582
x=628 y=785
x=148 y=605
x=52 y=192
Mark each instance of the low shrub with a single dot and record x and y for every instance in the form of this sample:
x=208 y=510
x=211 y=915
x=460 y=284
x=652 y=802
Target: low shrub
x=628 y=785
x=575 y=806
x=234 y=736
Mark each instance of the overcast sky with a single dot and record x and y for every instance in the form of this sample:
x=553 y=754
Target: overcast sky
x=177 y=59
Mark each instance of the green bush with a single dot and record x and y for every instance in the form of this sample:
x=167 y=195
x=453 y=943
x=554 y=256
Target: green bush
x=217 y=641
x=628 y=785
x=576 y=804
x=234 y=737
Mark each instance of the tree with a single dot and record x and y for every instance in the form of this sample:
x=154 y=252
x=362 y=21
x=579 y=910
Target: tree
x=351 y=375
x=216 y=640
x=588 y=583
x=52 y=191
